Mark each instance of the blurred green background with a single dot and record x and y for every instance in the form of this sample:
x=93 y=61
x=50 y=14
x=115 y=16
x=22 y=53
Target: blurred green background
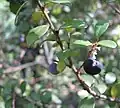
x=62 y=90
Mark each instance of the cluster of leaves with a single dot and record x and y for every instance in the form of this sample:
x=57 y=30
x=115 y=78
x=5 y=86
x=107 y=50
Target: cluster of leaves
x=76 y=38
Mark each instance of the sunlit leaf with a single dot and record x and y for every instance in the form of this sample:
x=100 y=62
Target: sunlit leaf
x=36 y=16
x=115 y=90
x=101 y=87
x=107 y=43
x=87 y=103
x=35 y=33
x=67 y=53
x=100 y=28
x=75 y=23
x=61 y=66
x=83 y=43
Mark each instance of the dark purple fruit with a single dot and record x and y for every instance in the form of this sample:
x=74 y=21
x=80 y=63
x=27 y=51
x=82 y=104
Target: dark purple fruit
x=53 y=68
x=21 y=38
x=92 y=66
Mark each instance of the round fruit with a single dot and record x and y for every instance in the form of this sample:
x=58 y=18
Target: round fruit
x=92 y=66
x=53 y=68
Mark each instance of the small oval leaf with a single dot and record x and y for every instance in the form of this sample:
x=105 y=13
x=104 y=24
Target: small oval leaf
x=74 y=23
x=115 y=90
x=107 y=43
x=35 y=33
x=46 y=96
x=62 y=55
x=23 y=86
x=83 y=43
x=87 y=103
x=36 y=16
x=61 y=66
x=100 y=28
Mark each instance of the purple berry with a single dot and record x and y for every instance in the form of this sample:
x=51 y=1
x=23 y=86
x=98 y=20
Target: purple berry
x=53 y=68
x=21 y=38
x=92 y=66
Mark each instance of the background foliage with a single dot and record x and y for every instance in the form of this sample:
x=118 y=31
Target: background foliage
x=81 y=21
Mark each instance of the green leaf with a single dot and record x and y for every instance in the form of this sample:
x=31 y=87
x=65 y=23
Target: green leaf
x=35 y=96
x=115 y=90
x=46 y=96
x=19 y=10
x=100 y=28
x=61 y=66
x=8 y=103
x=83 y=43
x=88 y=79
x=29 y=105
x=23 y=86
x=67 y=53
x=74 y=23
x=51 y=37
x=1 y=71
x=107 y=43
x=35 y=33
x=87 y=103
x=101 y=87
x=14 y=7
x=61 y=1
x=37 y=16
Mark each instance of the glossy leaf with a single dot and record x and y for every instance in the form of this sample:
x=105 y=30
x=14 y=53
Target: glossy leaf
x=75 y=23
x=46 y=97
x=100 y=28
x=61 y=66
x=101 y=87
x=61 y=1
x=87 y=103
x=83 y=43
x=36 y=16
x=35 y=96
x=35 y=33
x=88 y=79
x=115 y=90
x=67 y=53
x=23 y=86
x=107 y=43
x=14 y=7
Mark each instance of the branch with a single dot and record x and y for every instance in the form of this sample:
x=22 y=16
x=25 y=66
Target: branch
x=13 y=101
x=114 y=8
x=56 y=32
x=11 y=69
x=84 y=85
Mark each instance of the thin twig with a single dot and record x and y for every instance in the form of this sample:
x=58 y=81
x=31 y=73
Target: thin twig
x=56 y=32
x=114 y=8
x=13 y=101
x=12 y=69
x=84 y=85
